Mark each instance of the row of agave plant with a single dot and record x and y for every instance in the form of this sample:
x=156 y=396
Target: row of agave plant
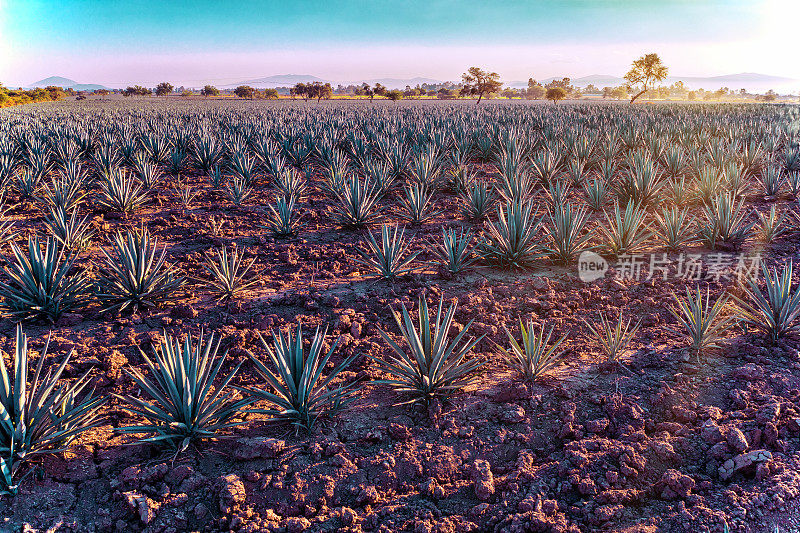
x=184 y=398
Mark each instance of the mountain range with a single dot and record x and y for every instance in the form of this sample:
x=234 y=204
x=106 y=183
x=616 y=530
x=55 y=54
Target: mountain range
x=65 y=83
x=750 y=81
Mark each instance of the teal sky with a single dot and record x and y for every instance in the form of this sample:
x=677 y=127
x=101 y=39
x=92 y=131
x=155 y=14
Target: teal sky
x=119 y=42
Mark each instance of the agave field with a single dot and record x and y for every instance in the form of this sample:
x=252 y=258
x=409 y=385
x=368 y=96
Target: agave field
x=411 y=316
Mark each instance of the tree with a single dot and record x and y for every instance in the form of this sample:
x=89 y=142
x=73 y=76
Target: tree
x=210 y=90
x=534 y=90
x=300 y=89
x=164 y=88
x=366 y=90
x=563 y=83
x=394 y=95
x=186 y=92
x=136 y=90
x=319 y=90
x=380 y=90
x=244 y=91
x=271 y=94
x=480 y=82
x=644 y=73
x=556 y=93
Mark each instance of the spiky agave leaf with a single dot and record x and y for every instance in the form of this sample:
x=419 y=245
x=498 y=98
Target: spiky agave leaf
x=281 y=219
x=301 y=394
x=71 y=232
x=775 y=310
x=536 y=355
x=566 y=239
x=238 y=190
x=613 y=337
x=40 y=414
x=725 y=221
x=40 y=283
x=416 y=203
x=626 y=231
x=136 y=275
x=674 y=228
x=771 y=226
x=180 y=401
x=432 y=366
x=455 y=252
x=355 y=204
x=596 y=192
x=122 y=192
x=513 y=240
x=227 y=272
x=703 y=321
x=476 y=200
x=390 y=258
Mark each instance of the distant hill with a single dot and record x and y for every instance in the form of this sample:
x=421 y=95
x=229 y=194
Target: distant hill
x=66 y=83
x=282 y=80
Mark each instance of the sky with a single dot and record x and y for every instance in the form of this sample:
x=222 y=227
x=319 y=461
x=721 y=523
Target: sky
x=117 y=43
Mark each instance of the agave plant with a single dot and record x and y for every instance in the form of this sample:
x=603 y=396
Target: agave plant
x=476 y=200
x=416 y=204
x=776 y=310
x=301 y=396
x=136 y=275
x=66 y=189
x=148 y=172
x=674 y=228
x=71 y=232
x=455 y=253
x=289 y=183
x=40 y=414
x=227 y=272
x=613 y=337
x=355 y=204
x=771 y=226
x=121 y=192
x=772 y=181
x=513 y=240
x=565 y=236
x=596 y=192
x=390 y=258
x=432 y=367
x=627 y=231
x=725 y=222
x=180 y=402
x=703 y=321
x=27 y=183
x=40 y=283
x=536 y=355
x=238 y=190
x=281 y=219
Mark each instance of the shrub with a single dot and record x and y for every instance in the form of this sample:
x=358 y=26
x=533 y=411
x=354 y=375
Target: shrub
x=703 y=321
x=40 y=284
x=776 y=310
x=40 y=414
x=536 y=355
x=137 y=275
x=390 y=258
x=513 y=240
x=180 y=402
x=455 y=253
x=433 y=367
x=227 y=272
x=301 y=394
